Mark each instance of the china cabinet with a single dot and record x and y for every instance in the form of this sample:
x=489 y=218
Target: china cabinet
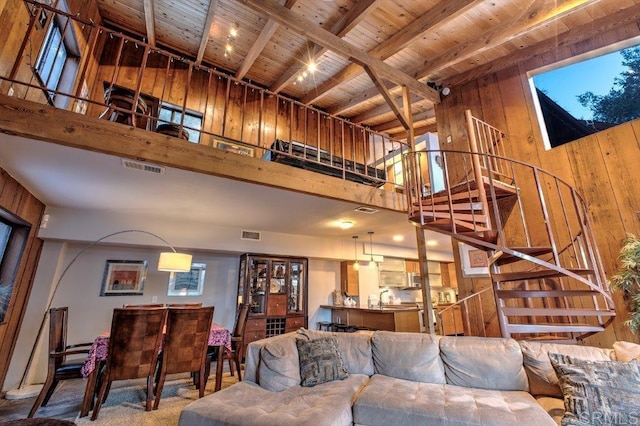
x=275 y=287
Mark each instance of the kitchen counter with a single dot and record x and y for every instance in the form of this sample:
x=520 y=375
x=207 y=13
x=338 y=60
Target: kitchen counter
x=390 y=317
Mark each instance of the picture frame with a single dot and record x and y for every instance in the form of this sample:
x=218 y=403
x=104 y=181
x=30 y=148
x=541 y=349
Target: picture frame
x=187 y=283
x=124 y=278
x=475 y=262
x=233 y=147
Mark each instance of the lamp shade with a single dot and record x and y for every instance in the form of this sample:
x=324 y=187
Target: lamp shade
x=174 y=262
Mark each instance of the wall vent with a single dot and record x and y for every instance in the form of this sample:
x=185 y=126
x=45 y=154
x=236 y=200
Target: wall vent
x=250 y=235
x=139 y=165
x=367 y=210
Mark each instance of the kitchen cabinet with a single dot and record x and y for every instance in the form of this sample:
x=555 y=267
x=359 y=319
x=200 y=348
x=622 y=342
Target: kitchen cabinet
x=390 y=319
x=349 y=279
x=412 y=266
x=276 y=290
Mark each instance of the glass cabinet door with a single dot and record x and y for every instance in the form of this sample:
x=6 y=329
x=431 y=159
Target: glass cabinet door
x=277 y=281
x=295 y=296
x=258 y=285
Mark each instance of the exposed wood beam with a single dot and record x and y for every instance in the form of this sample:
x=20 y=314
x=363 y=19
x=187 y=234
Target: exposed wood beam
x=340 y=28
x=420 y=130
x=267 y=32
x=406 y=103
x=401 y=116
x=438 y=15
x=377 y=113
x=537 y=14
x=624 y=17
x=392 y=125
x=318 y=35
x=208 y=23
x=150 y=21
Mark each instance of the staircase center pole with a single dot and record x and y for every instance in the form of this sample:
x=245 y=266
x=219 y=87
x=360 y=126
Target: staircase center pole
x=427 y=303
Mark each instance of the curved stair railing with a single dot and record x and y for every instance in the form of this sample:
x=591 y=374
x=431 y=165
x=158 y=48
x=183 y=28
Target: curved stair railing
x=548 y=280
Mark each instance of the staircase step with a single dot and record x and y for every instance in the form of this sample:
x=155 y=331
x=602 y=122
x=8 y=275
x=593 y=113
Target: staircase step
x=454 y=207
x=477 y=218
x=488 y=236
x=519 y=294
x=531 y=275
x=556 y=312
x=507 y=258
x=443 y=197
x=553 y=328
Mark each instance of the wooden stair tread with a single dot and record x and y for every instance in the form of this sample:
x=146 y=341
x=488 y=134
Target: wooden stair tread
x=558 y=328
x=507 y=258
x=557 y=312
x=519 y=294
x=502 y=189
x=444 y=207
x=530 y=275
x=478 y=218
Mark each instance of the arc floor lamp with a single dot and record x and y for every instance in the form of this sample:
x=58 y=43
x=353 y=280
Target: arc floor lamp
x=167 y=262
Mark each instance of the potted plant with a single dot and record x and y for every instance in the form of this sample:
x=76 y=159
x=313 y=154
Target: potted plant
x=628 y=279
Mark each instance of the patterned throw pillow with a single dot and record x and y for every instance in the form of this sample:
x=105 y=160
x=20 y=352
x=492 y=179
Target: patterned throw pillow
x=598 y=392
x=320 y=361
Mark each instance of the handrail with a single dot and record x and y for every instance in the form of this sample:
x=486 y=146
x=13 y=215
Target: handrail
x=463 y=304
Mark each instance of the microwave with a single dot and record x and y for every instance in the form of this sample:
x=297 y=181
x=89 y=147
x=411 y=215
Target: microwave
x=413 y=280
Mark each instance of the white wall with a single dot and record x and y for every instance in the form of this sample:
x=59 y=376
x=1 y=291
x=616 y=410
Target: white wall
x=70 y=231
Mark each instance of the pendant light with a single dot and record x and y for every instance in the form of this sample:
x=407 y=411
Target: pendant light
x=356 y=265
x=372 y=263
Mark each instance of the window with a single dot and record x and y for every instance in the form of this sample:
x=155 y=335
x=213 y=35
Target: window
x=588 y=95
x=13 y=236
x=173 y=114
x=57 y=62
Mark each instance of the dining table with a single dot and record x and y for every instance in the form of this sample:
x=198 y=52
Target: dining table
x=219 y=336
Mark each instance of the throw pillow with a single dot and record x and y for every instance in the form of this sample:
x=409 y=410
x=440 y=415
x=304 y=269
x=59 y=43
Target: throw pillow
x=320 y=361
x=598 y=392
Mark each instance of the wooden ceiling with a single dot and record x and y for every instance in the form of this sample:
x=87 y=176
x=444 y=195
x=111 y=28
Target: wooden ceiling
x=365 y=50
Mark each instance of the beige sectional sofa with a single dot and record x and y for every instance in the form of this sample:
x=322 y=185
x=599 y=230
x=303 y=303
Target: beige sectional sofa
x=396 y=378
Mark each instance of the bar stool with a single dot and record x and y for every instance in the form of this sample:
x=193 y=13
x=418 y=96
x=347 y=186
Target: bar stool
x=325 y=326
x=120 y=106
x=344 y=328
x=171 y=129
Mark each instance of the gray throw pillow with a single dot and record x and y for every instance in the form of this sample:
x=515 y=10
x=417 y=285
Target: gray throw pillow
x=598 y=392
x=320 y=361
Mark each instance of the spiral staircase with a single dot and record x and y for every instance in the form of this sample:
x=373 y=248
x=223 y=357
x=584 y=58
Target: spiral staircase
x=547 y=279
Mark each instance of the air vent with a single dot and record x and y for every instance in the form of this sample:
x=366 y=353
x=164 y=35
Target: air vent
x=250 y=235
x=367 y=210
x=139 y=165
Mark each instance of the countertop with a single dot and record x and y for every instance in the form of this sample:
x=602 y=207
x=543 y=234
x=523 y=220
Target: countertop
x=386 y=308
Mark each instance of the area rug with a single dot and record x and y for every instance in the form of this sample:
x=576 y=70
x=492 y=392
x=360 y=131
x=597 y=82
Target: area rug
x=125 y=405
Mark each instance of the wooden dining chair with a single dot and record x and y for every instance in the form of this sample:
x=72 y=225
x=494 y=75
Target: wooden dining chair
x=185 y=346
x=237 y=346
x=185 y=305
x=134 y=345
x=144 y=306
x=59 y=367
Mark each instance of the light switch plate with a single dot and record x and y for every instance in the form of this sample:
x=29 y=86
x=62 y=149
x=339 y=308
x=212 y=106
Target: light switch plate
x=154 y=299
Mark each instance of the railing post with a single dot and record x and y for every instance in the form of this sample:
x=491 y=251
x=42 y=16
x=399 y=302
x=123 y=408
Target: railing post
x=477 y=171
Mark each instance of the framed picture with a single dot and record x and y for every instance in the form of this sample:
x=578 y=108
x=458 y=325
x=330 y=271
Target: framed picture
x=474 y=261
x=124 y=277
x=187 y=283
x=232 y=147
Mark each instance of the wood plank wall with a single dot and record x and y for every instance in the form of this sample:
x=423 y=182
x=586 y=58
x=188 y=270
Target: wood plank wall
x=602 y=167
x=17 y=200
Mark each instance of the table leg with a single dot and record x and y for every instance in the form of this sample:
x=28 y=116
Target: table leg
x=89 y=391
x=219 y=366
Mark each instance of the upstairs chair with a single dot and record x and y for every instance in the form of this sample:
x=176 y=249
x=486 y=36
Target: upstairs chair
x=134 y=345
x=185 y=346
x=237 y=347
x=59 y=368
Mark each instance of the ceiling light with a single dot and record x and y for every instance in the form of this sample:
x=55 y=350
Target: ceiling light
x=398 y=238
x=233 y=32
x=312 y=67
x=368 y=210
x=432 y=243
x=346 y=224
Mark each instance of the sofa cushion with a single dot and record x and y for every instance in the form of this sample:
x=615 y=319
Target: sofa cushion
x=248 y=404
x=553 y=406
x=320 y=361
x=279 y=368
x=598 y=392
x=486 y=363
x=387 y=401
x=626 y=351
x=410 y=356
x=542 y=377
x=355 y=349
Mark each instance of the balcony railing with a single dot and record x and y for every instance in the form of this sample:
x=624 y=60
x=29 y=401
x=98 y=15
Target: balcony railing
x=90 y=69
